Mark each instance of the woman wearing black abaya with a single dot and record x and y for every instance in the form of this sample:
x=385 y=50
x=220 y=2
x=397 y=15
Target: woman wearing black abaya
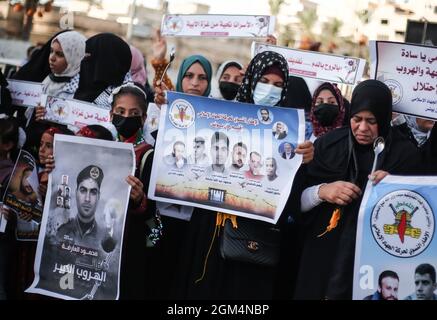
x=167 y=260
x=106 y=66
x=335 y=179
x=206 y=274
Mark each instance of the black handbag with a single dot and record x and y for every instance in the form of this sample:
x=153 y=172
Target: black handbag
x=252 y=241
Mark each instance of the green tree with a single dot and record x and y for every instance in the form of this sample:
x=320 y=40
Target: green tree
x=364 y=15
x=286 y=36
x=307 y=19
x=330 y=35
x=275 y=6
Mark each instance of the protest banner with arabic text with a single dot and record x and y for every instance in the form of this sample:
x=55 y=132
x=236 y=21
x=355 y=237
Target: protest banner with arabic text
x=395 y=234
x=25 y=93
x=410 y=71
x=217 y=25
x=317 y=65
x=226 y=156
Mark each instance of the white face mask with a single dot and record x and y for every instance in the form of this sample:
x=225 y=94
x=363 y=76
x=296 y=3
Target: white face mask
x=266 y=94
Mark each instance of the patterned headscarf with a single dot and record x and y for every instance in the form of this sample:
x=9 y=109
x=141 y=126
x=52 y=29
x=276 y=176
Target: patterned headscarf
x=338 y=122
x=418 y=134
x=256 y=70
x=187 y=63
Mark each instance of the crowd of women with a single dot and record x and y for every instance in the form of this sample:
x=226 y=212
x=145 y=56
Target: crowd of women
x=167 y=258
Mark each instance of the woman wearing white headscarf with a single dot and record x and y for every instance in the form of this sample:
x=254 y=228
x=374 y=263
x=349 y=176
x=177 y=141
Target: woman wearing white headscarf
x=66 y=53
x=418 y=130
x=227 y=80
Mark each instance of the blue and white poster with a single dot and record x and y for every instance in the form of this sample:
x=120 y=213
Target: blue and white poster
x=226 y=156
x=396 y=252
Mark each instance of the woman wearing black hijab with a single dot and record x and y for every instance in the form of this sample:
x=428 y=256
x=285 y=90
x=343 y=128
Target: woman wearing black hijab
x=334 y=180
x=298 y=95
x=105 y=66
x=205 y=274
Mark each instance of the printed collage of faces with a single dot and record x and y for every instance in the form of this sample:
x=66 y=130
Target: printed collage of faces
x=389 y=283
x=279 y=131
x=222 y=152
x=63 y=194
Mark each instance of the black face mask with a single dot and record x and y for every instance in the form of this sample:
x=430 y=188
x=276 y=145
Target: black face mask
x=228 y=89
x=326 y=113
x=126 y=126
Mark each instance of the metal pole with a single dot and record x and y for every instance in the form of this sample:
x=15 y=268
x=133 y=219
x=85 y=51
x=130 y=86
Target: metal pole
x=131 y=21
x=425 y=27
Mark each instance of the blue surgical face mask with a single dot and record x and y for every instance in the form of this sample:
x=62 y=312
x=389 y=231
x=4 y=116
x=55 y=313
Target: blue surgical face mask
x=266 y=94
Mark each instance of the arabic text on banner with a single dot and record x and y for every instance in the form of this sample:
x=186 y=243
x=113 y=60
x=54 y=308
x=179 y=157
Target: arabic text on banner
x=216 y=25
x=25 y=93
x=410 y=71
x=226 y=156
x=74 y=112
x=316 y=65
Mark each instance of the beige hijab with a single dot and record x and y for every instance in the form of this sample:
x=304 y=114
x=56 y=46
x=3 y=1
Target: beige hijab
x=73 y=46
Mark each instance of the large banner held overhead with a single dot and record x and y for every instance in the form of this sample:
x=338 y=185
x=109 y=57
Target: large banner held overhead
x=226 y=156
x=79 y=245
x=410 y=71
x=395 y=235
x=25 y=93
x=217 y=25
x=316 y=65
x=23 y=199
x=73 y=112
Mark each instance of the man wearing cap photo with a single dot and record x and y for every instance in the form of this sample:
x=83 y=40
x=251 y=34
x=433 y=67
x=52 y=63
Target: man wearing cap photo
x=83 y=228
x=199 y=156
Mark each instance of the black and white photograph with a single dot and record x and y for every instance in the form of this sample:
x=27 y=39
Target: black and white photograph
x=79 y=246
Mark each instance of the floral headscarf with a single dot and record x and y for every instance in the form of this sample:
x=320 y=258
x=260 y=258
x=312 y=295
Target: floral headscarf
x=256 y=70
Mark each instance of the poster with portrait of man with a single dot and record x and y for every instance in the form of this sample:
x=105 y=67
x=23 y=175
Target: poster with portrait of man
x=23 y=199
x=396 y=247
x=79 y=246
x=226 y=156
